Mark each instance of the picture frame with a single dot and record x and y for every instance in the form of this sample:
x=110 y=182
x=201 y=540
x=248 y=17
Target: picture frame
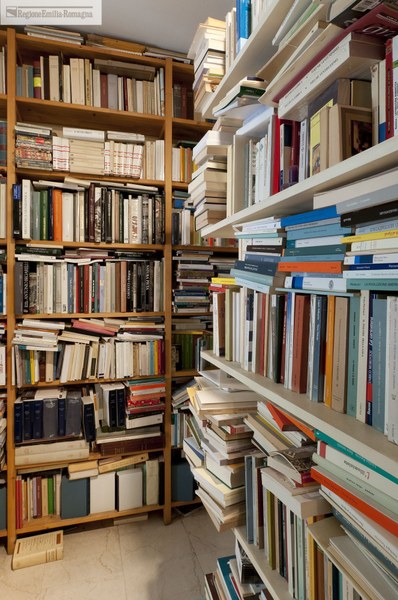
x=350 y=132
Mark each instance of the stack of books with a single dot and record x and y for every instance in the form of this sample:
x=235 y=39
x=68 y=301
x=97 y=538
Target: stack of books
x=218 y=408
x=145 y=402
x=182 y=228
x=182 y=101
x=193 y=274
x=33 y=146
x=208 y=54
x=242 y=100
x=208 y=188
x=130 y=440
x=52 y=33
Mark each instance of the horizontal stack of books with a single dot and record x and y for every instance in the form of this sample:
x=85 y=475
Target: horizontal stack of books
x=208 y=54
x=33 y=146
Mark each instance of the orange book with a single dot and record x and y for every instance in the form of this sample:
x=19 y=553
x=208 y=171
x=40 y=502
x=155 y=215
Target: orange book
x=367 y=507
x=311 y=267
x=298 y=424
x=329 y=351
x=57 y=211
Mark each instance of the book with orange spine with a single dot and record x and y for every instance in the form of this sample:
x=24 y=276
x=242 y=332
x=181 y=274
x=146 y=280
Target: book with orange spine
x=57 y=212
x=311 y=267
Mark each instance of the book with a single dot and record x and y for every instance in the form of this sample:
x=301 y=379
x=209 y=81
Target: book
x=38 y=549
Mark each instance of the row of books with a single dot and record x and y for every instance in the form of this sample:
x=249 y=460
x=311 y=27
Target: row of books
x=235 y=577
x=45 y=210
x=48 y=285
x=182 y=101
x=87 y=359
x=186 y=347
x=53 y=493
x=86 y=151
x=3 y=143
x=101 y=83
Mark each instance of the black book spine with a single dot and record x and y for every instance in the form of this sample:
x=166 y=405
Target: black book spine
x=382 y=212
x=18 y=422
x=50 y=209
x=17 y=210
x=103 y=203
x=25 y=293
x=91 y=213
x=108 y=218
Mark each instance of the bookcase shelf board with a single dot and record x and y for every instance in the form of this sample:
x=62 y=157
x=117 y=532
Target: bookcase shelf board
x=33 y=110
x=60 y=176
x=361 y=438
x=187 y=128
x=52 y=522
x=275 y=583
x=87 y=315
x=3 y=533
x=97 y=245
x=185 y=372
x=254 y=53
x=178 y=503
x=215 y=249
x=298 y=198
x=27 y=45
x=51 y=384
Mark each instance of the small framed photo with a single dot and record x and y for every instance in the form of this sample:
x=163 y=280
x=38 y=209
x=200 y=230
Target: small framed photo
x=350 y=132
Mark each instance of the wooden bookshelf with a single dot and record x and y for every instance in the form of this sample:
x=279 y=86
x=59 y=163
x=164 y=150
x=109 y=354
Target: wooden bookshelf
x=21 y=48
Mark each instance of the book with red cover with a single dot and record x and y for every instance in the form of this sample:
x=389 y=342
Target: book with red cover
x=381 y=22
x=300 y=343
x=311 y=267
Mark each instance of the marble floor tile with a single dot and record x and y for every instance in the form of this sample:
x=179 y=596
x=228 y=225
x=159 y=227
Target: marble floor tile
x=140 y=561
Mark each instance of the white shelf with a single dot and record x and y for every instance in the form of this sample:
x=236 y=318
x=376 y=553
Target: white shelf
x=254 y=54
x=274 y=582
x=299 y=197
x=361 y=438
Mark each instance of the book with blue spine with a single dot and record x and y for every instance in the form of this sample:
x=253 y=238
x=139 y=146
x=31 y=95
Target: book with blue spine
x=313 y=258
x=315 y=232
x=225 y=573
x=363 y=266
x=318 y=214
x=264 y=268
x=243 y=23
x=319 y=349
x=372 y=284
x=379 y=363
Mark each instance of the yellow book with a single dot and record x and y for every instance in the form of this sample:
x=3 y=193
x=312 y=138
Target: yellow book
x=225 y=280
x=38 y=549
x=156 y=358
x=377 y=235
x=329 y=351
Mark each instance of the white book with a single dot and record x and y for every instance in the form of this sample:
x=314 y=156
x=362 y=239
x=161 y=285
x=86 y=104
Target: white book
x=324 y=284
x=78 y=133
x=66 y=84
x=303 y=156
x=373 y=274
x=152 y=481
x=67 y=216
x=382 y=244
x=102 y=492
x=129 y=489
x=353 y=55
x=26 y=208
x=362 y=355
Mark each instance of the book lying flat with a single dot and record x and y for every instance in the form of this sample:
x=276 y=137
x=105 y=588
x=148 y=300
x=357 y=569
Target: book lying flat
x=38 y=549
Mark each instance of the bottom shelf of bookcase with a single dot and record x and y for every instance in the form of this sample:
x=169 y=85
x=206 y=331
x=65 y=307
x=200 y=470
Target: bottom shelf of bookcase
x=345 y=430
x=178 y=503
x=55 y=522
x=274 y=582
x=3 y=533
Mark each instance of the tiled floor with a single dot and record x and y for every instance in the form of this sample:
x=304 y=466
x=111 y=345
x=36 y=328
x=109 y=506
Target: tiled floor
x=138 y=561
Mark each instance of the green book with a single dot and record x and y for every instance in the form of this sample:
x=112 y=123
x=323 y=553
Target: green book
x=43 y=215
x=373 y=284
x=352 y=362
x=50 y=495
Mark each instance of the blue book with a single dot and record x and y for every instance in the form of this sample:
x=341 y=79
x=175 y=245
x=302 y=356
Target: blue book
x=225 y=572
x=379 y=362
x=75 y=497
x=314 y=232
x=19 y=81
x=324 y=437
x=27 y=421
x=18 y=422
x=318 y=378
x=37 y=419
x=352 y=361
x=369 y=367
x=257 y=257
x=319 y=214
x=313 y=258
x=243 y=24
x=262 y=268
x=61 y=415
x=256 y=277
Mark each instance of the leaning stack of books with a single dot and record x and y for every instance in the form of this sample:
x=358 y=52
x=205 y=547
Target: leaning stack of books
x=218 y=407
x=208 y=53
x=193 y=275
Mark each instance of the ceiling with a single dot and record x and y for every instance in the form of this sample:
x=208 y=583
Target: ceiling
x=169 y=24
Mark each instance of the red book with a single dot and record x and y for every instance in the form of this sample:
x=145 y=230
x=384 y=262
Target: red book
x=381 y=22
x=300 y=343
x=275 y=145
x=36 y=79
x=368 y=507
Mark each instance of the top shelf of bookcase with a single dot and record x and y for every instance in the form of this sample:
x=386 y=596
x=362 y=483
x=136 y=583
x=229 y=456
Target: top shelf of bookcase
x=257 y=50
x=299 y=197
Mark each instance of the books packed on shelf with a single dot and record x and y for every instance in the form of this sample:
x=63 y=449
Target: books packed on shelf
x=125 y=281
x=182 y=161
x=95 y=212
x=53 y=33
x=47 y=491
x=86 y=349
x=97 y=152
x=100 y=83
x=182 y=100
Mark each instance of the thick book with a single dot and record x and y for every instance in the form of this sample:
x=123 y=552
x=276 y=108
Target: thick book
x=38 y=549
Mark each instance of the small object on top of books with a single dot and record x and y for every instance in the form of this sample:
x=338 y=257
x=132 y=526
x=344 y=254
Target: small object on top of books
x=38 y=549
